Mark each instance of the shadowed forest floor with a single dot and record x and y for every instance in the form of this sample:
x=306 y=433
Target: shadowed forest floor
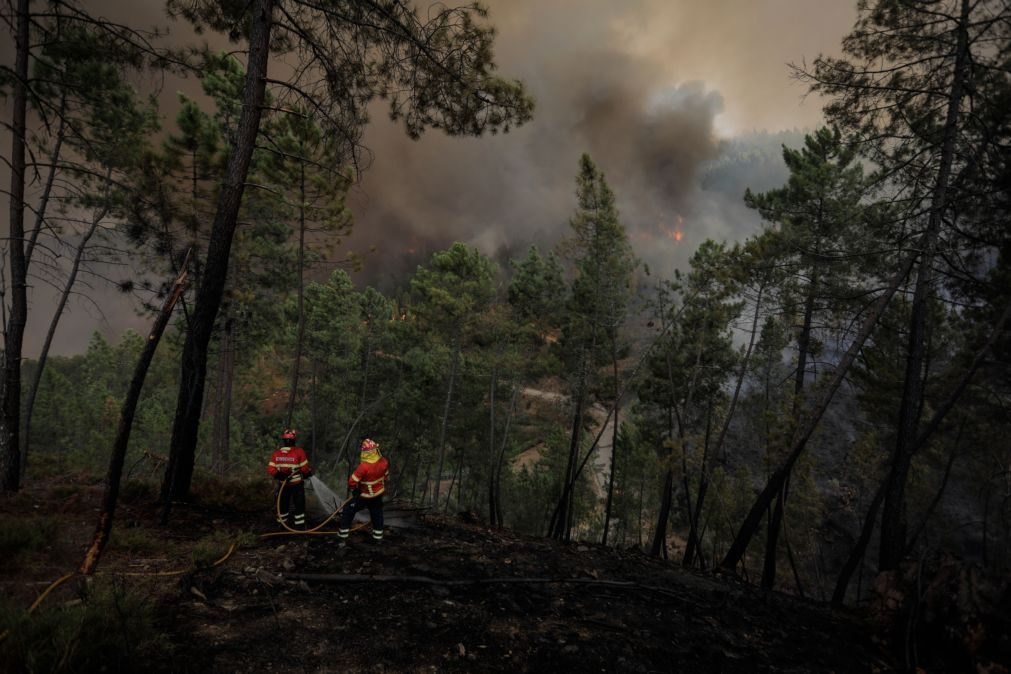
x=564 y=607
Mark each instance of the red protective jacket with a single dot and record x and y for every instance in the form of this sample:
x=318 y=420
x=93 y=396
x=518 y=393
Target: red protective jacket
x=290 y=461
x=370 y=478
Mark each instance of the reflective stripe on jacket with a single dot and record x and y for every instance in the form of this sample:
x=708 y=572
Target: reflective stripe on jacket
x=290 y=461
x=370 y=478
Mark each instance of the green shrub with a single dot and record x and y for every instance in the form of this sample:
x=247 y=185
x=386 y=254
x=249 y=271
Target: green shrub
x=136 y=540
x=109 y=629
x=18 y=535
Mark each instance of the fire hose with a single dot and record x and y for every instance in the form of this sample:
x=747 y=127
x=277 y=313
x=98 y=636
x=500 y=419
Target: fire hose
x=316 y=530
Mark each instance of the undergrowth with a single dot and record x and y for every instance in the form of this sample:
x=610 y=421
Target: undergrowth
x=27 y=534
x=213 y=547
x=107 y=628
x=246 y=493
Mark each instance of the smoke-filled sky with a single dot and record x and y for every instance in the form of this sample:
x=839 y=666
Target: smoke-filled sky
x=647 y=87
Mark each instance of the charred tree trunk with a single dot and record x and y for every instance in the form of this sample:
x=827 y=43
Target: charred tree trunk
x=10 y=436
x=193 y=371
x=659 y=546
x=893 y=520
x=111 y=494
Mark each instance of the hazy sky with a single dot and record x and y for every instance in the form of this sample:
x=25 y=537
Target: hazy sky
x=647 y=87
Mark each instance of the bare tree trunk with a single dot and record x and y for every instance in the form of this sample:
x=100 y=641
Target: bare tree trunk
x=454 y=481
x=54 y=322
x=558 y=527
x=454 y=364
x=10 y=436
x=893 y=520
x=659 y=545
x=193 y=371
x=694 y=544
x=614 y=440
x=111 y=495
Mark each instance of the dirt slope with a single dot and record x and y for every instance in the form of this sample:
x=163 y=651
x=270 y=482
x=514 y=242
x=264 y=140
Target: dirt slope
x=622 y=612
x=437 y=595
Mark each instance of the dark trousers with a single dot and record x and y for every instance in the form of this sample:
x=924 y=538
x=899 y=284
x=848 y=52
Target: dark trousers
x=375 y=506
x=293 y=494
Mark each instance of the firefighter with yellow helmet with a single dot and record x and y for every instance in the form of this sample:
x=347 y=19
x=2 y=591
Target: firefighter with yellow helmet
x=367 y=484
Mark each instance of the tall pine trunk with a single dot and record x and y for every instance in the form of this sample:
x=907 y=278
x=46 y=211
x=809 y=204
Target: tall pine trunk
x=776 y=518
x=614 y=440
x=893 y=519
x=659 y=545
x=559 y=525
x=10 y=448
x=193 y=371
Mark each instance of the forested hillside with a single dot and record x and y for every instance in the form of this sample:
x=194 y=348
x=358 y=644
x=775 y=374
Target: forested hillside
x=812 y=406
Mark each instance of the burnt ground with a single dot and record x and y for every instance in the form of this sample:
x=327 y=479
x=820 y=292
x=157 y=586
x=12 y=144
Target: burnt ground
x=441 y=595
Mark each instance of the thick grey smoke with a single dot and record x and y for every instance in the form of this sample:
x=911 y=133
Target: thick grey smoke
x=621 y=81
x=648 y=134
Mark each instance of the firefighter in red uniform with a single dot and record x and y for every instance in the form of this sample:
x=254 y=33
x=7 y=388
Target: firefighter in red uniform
x=367 y=485
x=290 y=467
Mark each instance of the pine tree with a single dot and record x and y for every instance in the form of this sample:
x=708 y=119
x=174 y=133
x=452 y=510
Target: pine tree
x=603 y=261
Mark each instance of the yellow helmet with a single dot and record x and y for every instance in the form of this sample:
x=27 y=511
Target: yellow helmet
x=370 y=450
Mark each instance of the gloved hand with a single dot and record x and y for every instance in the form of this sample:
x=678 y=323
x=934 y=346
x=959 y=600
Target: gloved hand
x=307 y=475
x=279 y=476
x=356 y=492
